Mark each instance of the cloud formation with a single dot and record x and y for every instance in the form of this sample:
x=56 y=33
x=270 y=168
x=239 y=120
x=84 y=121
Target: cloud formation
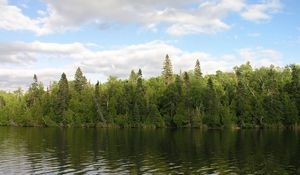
x=261 y=11
x=179 y=17
x=99 y=64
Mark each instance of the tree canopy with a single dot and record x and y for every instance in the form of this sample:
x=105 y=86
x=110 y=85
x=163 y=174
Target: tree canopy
x=244 y=97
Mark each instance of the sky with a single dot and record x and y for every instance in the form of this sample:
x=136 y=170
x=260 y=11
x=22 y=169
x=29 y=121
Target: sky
x=103 y=38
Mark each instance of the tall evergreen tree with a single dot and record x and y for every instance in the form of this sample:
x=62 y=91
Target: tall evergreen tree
x=140 y=97
x=187 y=83
x=63 y=97
x=197 y=70
x=140 y=74
x=80 y=80
x=34 y=92
x=167 y=72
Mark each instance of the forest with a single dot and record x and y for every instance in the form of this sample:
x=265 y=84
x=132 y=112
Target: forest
x=243 y=98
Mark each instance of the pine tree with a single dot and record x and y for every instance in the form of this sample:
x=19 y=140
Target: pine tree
x=167 y=72
x=139 y=84
x=140 y=96
x=197 y=70
x=34 y=92
x=140 y=74
x=186 y=79
x=62 y=98
x=80 y=80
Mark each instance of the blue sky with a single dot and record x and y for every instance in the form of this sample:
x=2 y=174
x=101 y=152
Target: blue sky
x=48 y=37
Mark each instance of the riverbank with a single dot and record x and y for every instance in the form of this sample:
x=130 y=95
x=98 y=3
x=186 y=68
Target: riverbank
x=153 y=126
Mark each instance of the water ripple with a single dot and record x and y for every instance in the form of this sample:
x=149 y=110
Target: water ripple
x=52 y=151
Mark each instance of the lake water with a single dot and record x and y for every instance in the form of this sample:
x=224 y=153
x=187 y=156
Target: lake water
x=147 y=151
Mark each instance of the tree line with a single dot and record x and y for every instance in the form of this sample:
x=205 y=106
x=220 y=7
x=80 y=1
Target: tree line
x=244 y=97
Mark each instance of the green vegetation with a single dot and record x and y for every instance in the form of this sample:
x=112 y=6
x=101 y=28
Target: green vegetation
x=245 y=97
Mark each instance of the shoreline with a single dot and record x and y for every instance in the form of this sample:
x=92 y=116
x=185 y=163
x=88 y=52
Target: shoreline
x=150 y=126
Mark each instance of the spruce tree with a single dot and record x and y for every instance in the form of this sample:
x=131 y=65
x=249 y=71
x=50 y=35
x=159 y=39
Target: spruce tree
x=34 y=92
x=197 y=70
x=167 y=72
x=140 y=96
x=140 y=74
x=63 y=98
x=80 y=80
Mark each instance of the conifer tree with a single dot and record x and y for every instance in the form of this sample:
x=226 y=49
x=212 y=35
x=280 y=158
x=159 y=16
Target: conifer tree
x=34 y=92
x=62 y=98
x=80 y=80
x=140 y=99
x=197 y=70
x=167 y=72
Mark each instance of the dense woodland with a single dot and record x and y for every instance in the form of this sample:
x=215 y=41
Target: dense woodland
x=245 y=97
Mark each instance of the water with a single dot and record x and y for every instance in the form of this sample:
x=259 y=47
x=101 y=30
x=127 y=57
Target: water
x=141 y=151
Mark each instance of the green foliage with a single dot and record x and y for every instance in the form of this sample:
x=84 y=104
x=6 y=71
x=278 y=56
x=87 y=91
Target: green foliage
x=62 y=100
x=180 y=119
x=97 y=103
x=80 y=81
x=2 y=102
x=290 y=111
x=197 y=70
x=167 y=72
x=247 y=97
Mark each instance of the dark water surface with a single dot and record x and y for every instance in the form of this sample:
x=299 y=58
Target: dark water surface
x=146 y=151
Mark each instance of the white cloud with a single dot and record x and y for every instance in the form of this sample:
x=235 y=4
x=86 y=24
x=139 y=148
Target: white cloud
x=261 y=57
x=261 y=11
x=26 y=53
x=179 y=17
x=12 y=18
x=99 y=64
x=11 y=79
